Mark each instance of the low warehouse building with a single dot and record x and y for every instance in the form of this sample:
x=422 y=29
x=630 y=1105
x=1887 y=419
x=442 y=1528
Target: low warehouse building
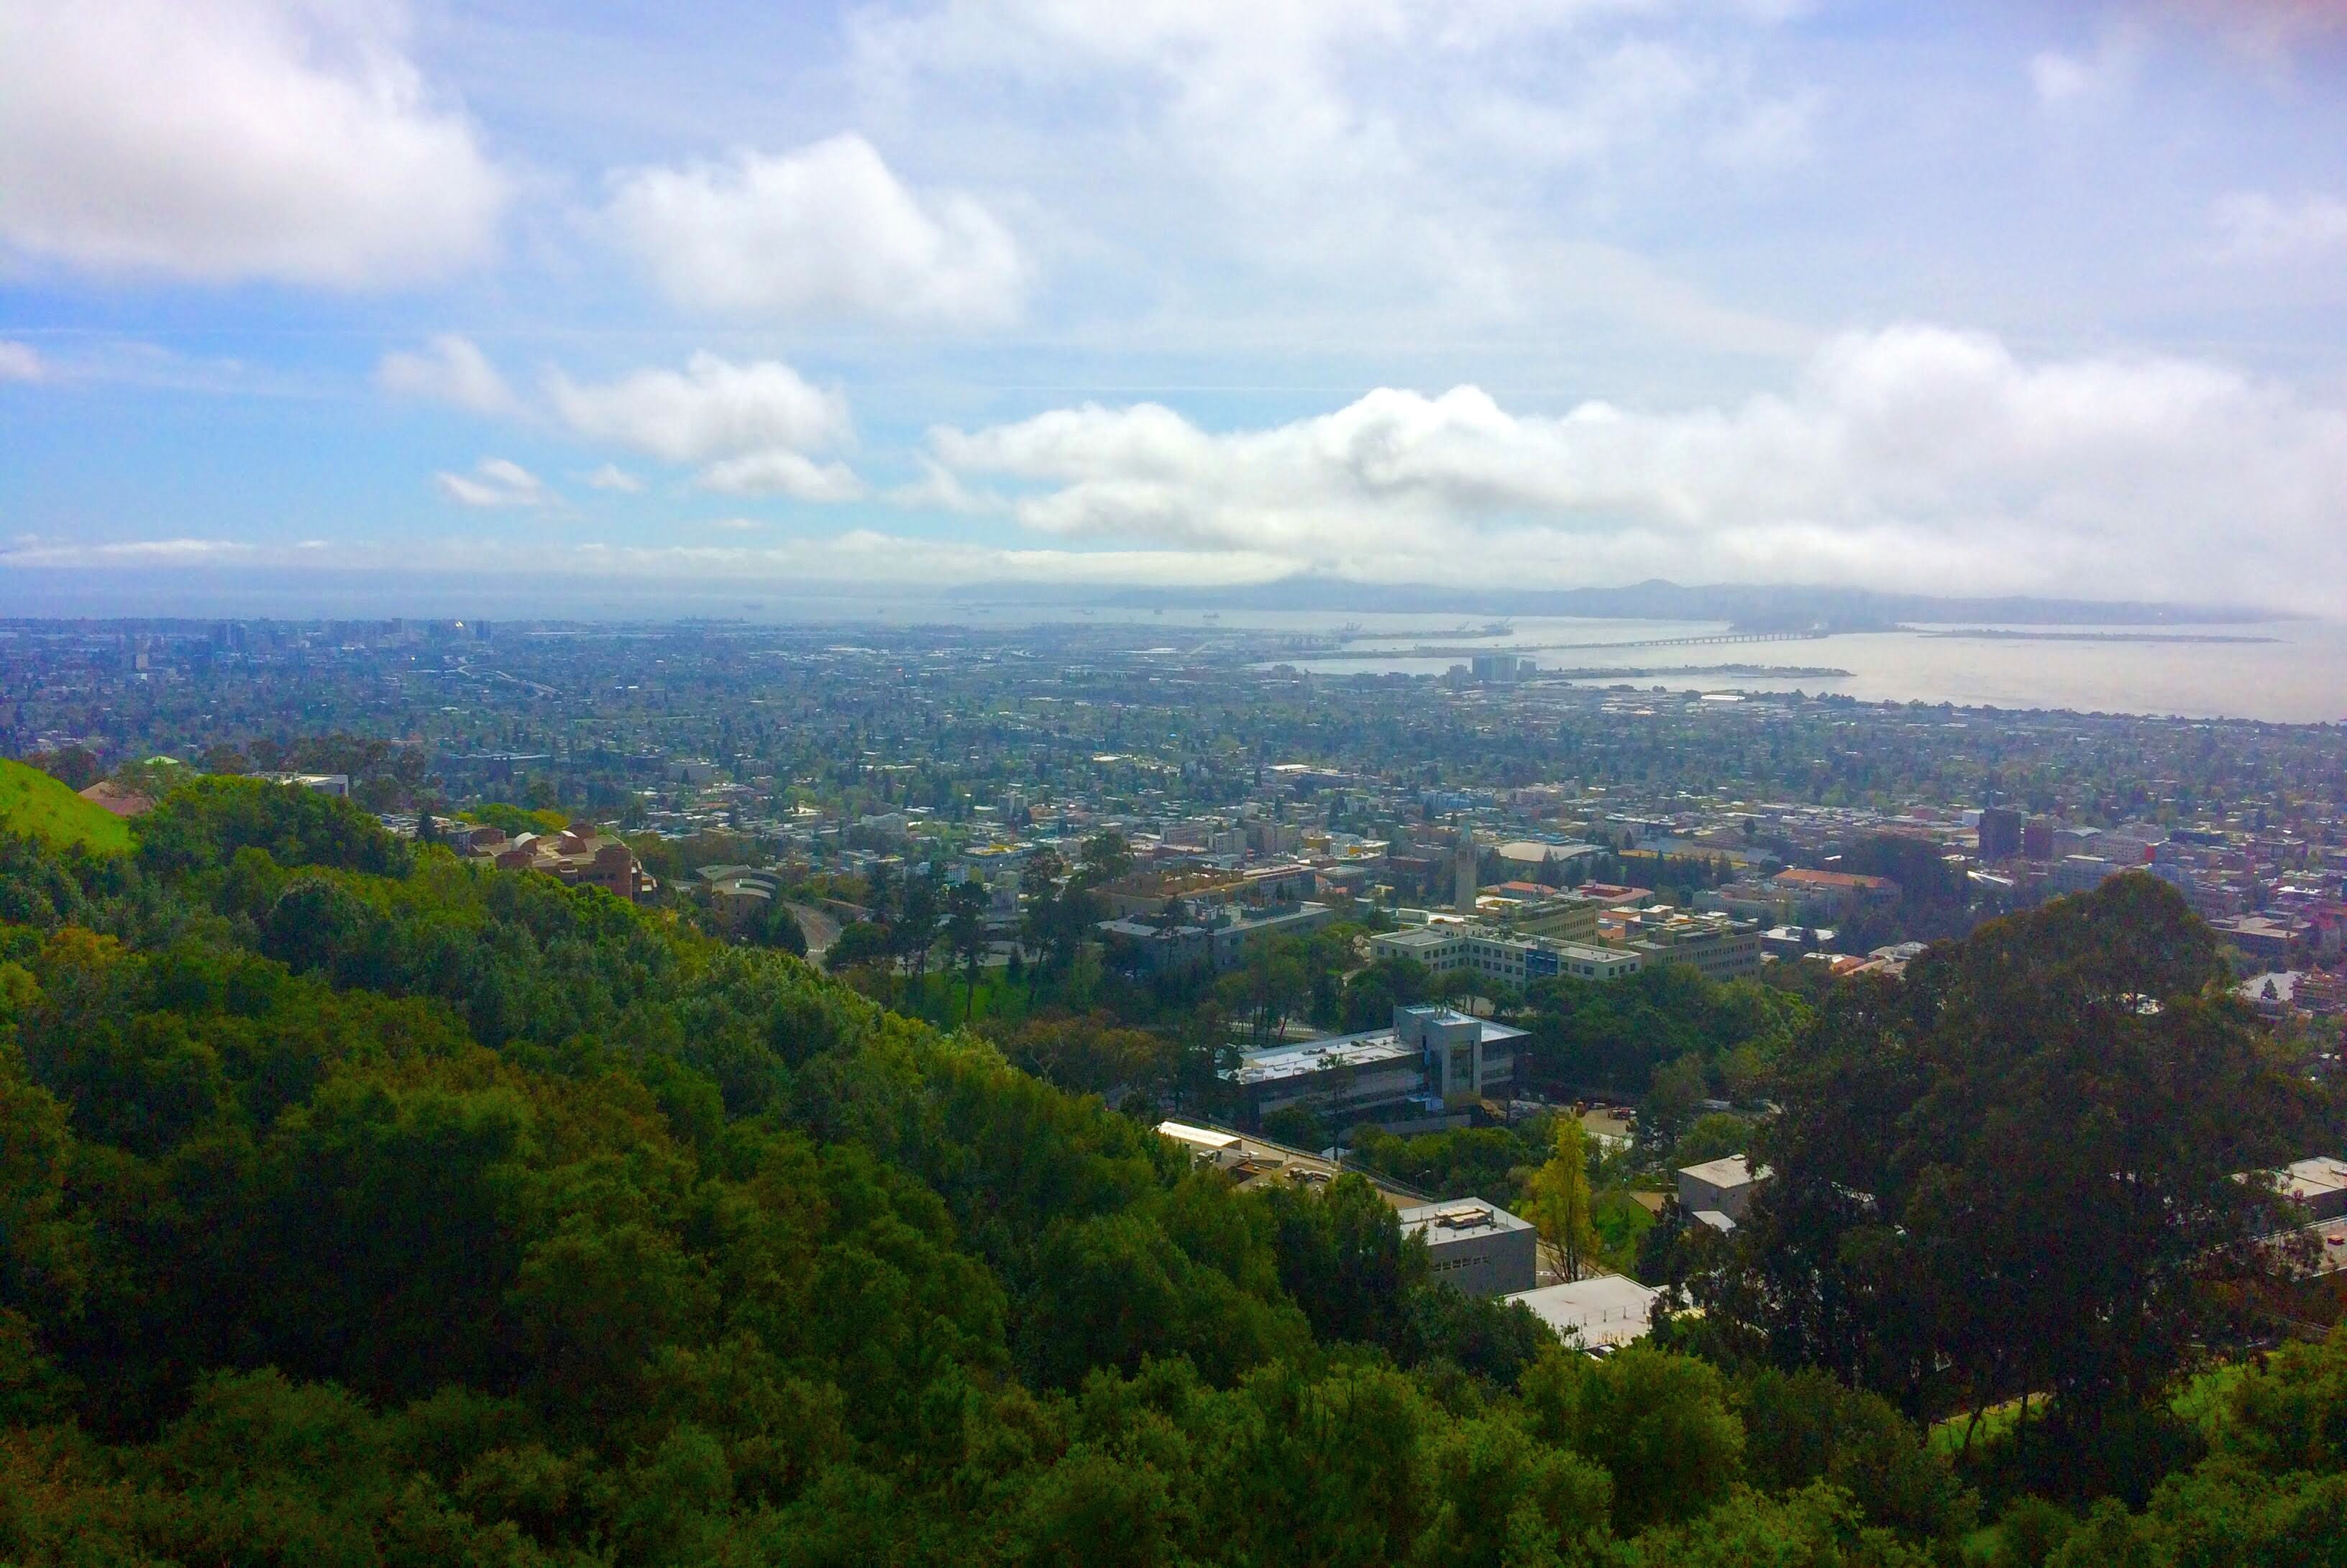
x=1723 y=1187
x=1599 y=1313
x=1476 y=1247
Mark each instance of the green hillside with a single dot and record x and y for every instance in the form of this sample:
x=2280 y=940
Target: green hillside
x=33 y=803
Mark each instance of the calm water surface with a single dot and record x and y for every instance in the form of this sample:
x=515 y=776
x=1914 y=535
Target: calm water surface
x=2299 y=677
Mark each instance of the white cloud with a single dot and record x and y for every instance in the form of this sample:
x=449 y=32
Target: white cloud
x=781 y=472
x=900 y=560
x=448 y=369
x=939 y=490
x=495 y=482
x=824 y=231
x=239 y=138
x=1348 y=159
x=18 y=362
x=612 y=476
x=2255 y=226
x=861 y=557
x=2060 y=78
x=2072 y=81
x=714 y=408
x=33 y=550
x=1913 y=458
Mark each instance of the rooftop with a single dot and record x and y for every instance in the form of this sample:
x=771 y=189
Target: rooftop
x=1734 y=1171
x=1299 y=1060
x=1608 y=1310
x=1799 y=877
x=1458 y=1218
x=1374 y=1047
x=2305 y=1180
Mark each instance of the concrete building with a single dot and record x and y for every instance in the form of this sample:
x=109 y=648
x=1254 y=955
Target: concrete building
x=1527 y=856
x=2319 y=1183
x=1203 y=1142
x=1811 y=897
x=1218 y=940
x=1476 y=1247
x=1464 y=877
x=2080 y=874
x=2266 y=938
x=1720 y=1187
x=1149 y=893
x=1432 y=1062
x=1567 y=917
x=1720 y=946
x=580 y=855
x=1451 y=946
x=1501 y=669
x=1600 y=1314
x=2000 y=834
x=1788 y=942
x=739 y=893
x=2274 y=994
x=325 y=783
x=2131 y=844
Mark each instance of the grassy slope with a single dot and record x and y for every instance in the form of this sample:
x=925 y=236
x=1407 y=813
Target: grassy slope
x=33 y=803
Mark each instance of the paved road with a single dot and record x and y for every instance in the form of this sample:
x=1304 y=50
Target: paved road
x=821 y=928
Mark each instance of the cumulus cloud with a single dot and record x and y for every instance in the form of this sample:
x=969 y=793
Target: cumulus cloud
x=234 y=139
x=939 y=490
x=448 y=369
x=781 y=472
x=712 y=408
x=1914 y=457
x=2255 y=226
x=825 y=230
x=18 y=362
x=493 y=482
x=612 y=476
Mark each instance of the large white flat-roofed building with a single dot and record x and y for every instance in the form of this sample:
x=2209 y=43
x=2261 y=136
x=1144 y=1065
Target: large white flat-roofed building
x=1430 y=1059
x=1720 y=1188
x=1204 y=1143
x=1477 y=1249
x=1600 y=1312
x=2319 y=1183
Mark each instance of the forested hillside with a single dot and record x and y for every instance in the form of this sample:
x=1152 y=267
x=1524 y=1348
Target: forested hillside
x=357 y=1205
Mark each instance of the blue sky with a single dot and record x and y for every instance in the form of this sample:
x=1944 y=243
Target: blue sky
x=1997 y=297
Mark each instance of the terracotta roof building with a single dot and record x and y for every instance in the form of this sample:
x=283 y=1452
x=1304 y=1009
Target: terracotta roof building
x=118 y=799
x=581 y=855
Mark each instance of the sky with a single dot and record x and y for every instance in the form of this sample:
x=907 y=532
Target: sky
x=1991 y=298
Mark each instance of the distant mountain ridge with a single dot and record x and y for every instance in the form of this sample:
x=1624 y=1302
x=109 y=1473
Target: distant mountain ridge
x=1747 y=604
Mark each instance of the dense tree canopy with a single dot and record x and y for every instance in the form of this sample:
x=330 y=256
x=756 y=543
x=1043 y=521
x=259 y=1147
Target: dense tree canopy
x=2017 y=1172
x=365 y=1206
